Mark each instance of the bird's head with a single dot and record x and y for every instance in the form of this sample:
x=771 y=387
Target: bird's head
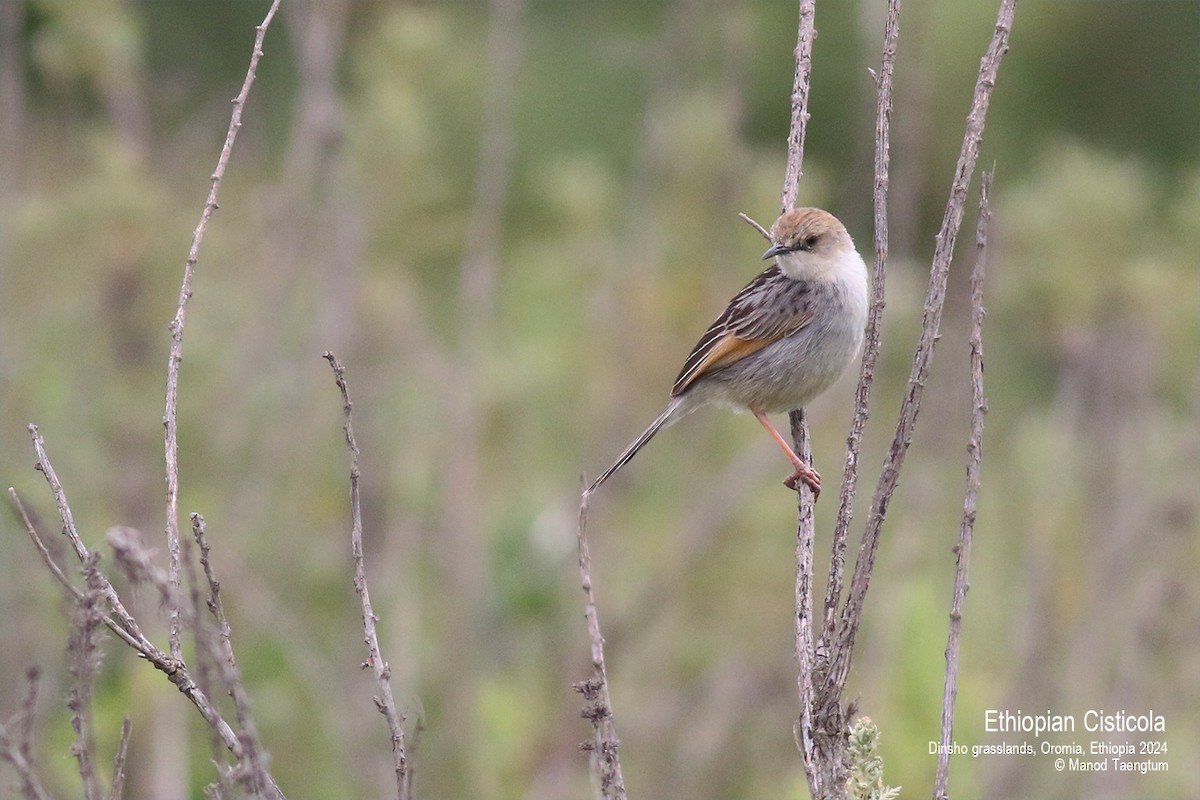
x=808 y=242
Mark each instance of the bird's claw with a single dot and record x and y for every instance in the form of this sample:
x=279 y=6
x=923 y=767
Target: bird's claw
x=808 y=475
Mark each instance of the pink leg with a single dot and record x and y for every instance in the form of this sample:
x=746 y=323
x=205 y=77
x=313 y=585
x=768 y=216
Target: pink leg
x=803 y=471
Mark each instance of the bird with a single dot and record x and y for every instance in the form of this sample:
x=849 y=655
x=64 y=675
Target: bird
x=782 y=340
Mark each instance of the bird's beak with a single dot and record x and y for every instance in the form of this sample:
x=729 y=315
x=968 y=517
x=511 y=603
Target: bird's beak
x=775 y=250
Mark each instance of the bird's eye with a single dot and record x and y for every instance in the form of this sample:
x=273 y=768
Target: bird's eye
x=809 y=243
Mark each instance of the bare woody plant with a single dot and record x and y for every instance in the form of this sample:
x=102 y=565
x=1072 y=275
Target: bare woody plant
x=97 y=603
x=825 y=644
x=825 y=641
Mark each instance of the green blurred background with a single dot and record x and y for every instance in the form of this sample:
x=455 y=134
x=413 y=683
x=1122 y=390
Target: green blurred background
x=511 y=221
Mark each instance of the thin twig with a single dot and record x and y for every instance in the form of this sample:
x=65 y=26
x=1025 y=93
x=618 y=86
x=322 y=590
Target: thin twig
x=206 y=658
x=254 y=755
x=117 y=790
x=124 y=625
x=69 y=530
x=25 y=717
x=44 y=551
x=74 y=591
x=604 y=744
x=99 y=590
x=56 y=489
x=805 y=34
x=16 y=745
x=934 y=303
x=245 y=746
x=766 y=234
x=18 y=756
x=805 y=526
x=386 y=702
x=83 y=649
x=974 y=458
x=873 y=336
x=170 y=422
x=806 y=646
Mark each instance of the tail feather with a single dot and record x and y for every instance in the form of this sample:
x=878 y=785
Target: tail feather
x=638 y=443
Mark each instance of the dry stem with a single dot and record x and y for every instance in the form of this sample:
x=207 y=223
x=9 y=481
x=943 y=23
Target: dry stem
x=805 y=527
x=873 y=337
x=934 y=303
x=83 y=650
x=117 y=790
x=170 y=424
x=386 y=702
x=974 y=457
x=99 y=601
x=255 y=758
x=824 y=664
x=805 y=34
x=125 y=624
x=16 y=735
x=119 y=621
x=604 y=745
x=766 y=234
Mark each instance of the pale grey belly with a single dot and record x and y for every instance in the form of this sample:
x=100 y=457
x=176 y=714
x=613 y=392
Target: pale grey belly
x=784 y=375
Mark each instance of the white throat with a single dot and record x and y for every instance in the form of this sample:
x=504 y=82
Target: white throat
x=844 y=264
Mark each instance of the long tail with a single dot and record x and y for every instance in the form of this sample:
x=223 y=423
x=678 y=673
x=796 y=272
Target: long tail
x=638 y=444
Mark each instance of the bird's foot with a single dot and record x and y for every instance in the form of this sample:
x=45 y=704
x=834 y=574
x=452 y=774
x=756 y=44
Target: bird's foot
x=808 y=475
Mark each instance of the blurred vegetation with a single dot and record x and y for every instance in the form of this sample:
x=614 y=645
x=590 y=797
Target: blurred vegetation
x=640 y=129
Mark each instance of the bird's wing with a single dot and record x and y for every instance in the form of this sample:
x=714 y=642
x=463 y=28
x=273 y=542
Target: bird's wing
x=769 y=308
